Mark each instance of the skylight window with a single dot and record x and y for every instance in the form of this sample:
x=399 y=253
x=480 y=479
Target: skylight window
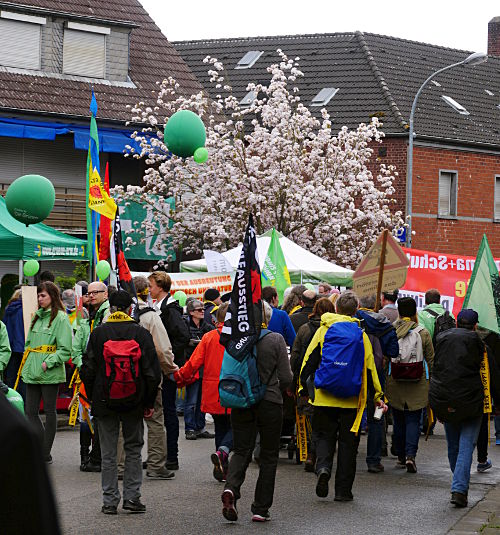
x=248 y=98
x=455 y=105
x=249 y=59
x=437 y=84
x=324 y=96
x=488 y=92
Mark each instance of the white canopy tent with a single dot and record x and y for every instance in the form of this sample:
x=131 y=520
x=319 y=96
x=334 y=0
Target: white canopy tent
x=302 y=265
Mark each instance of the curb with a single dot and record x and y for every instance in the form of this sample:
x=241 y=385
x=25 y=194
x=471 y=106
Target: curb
x=483 y=518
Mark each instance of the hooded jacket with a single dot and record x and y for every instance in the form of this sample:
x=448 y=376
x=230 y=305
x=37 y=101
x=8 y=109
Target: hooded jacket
x=427 y=320
x=300 y=317
x=4 y=347
x=100 y=315
x=13 y=319
x=301 y=343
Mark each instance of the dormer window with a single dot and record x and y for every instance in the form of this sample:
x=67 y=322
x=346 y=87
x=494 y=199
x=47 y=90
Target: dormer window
x=455 y=105
x=248 y=98
x=324 y=96
x=84 y=50
x=249 y=59
x=20 y=38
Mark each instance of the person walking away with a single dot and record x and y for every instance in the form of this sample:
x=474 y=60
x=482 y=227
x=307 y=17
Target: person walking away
x=457 y=396
x=292 y=298
x=121 y=374
x=265 y=418
x=301 y=316
x=47 y=349
x=170 y=313
x=208 y=354
x=280 y=320
x=389 y=308
x=211 y=302
x=13 y=319
x=338 y=361
x=408 y=382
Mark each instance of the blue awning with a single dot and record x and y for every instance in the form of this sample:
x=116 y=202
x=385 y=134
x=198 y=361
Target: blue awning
x=109 y=140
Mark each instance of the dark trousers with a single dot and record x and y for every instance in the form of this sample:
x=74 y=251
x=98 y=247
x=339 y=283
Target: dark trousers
x=34 y=394
x=331 y=425
x=223 y=432
x=482 y=441
x=264 y=418
x=87 y=440
x=376 y=432
x=10 y=374
x=168 y=393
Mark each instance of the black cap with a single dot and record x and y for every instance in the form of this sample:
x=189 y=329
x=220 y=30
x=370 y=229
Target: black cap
x=120 y=299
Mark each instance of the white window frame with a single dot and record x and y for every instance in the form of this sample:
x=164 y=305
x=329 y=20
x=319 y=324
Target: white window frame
x=251 y=63
x=248 y=99
x=496 y=214
x=452 y=175
x=327 y=94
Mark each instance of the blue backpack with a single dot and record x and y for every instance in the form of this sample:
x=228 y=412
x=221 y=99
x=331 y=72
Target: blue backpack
x=240 y=385
x=378 y=325
x=342 y=359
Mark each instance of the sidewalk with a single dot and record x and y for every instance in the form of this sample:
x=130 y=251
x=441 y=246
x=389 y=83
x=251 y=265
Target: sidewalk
x=483 y=518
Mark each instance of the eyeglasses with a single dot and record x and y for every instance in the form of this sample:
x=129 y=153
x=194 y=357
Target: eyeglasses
x=95 y=292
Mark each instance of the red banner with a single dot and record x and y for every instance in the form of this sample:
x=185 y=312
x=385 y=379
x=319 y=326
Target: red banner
x=448 y=273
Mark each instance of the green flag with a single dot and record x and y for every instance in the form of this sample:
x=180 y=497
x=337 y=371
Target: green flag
x=483 y=293
x=275 y=273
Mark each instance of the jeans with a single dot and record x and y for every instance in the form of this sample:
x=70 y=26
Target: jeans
x=406 y=428
x=461 y=439
x=194 y=419
x=168 y=393
x=376 y=430
x=264 y=418
x=10 y=374
x=35 y=393
x=223 y=432
x=331 y=425
x=497 y=427
x=482 y=440
x=133 y=438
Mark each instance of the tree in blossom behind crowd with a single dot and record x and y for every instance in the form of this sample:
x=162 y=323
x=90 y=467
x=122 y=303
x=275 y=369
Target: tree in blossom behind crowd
x=272 y=158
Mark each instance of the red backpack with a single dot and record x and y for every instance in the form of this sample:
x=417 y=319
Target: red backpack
x=121 y=358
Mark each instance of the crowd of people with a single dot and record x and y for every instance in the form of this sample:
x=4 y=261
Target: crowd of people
x=328 y=356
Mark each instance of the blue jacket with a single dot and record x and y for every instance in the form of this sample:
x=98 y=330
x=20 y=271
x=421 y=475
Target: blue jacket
x=280 y=323
x=13 y=319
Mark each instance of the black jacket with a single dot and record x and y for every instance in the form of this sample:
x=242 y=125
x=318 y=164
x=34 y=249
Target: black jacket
x=196 y=334
x=300 y=317
x=93 y=371
x=456 y=390
x=177 y=330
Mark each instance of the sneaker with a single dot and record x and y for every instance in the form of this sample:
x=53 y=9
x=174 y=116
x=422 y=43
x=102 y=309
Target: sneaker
x=109 y=509
x=459 y=499
x=264 y=517
x=482 y=467
x=90 y=467
x=191 y=435
x=162 y=473
x=216 y=459
x=205 y=434
x=322 y=484
x=375 y=468
x=411 y=467
x=172 y=465
x=229 y=506
x=134 y=506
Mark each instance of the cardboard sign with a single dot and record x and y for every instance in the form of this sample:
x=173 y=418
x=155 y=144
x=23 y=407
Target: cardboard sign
x=30 y=306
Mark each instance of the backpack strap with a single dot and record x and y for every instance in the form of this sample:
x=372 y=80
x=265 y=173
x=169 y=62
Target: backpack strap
x=432 y=313
x=389 y=328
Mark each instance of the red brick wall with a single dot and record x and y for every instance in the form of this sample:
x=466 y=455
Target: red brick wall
x=494 y=37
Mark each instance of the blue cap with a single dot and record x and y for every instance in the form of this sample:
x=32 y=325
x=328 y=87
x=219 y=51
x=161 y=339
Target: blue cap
x=467 y=315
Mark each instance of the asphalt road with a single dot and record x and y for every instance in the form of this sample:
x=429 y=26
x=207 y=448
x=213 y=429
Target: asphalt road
x=392 y=502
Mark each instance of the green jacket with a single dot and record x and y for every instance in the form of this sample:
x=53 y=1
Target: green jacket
x=80 y=341
x=4 y=347
x=58 y=334
x=101 y=314
x=428 y=320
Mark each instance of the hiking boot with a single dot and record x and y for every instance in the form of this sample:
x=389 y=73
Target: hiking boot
x=134 y=506
x=162 y=473
x=322 y=483
x=375 y=468
x=90 y=467
x=459 y=499
x=482 y=467
x=84 y=459
x=216 y=459
x=205 y=434
x=347 y=497
x=229 y=506
x=411 y=467
x=261 y=517
x=191 y=435
x=401 y=462
x=109 y=509
x=172 y=465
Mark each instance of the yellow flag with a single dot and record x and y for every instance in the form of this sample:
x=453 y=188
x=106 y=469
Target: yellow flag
x=99 y=200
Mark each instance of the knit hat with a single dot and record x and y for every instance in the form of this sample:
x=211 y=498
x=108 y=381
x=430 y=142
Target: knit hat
x=120 y=299
x=468 y=316
x=407 y=307
x=211 y=294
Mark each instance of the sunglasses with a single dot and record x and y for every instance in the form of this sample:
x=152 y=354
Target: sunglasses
x=197 y=309
x=95 y=292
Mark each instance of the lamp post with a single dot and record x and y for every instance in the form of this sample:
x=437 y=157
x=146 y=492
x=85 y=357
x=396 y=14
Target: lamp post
x=474 y=59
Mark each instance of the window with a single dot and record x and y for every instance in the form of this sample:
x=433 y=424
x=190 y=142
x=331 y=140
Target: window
x=248 y=98
x=497 y=198
x=447 y=193
x=249 y=59
x=20 y=38
x=84 y=52
x=455 y=105
x=490 y=93
x=324 y=96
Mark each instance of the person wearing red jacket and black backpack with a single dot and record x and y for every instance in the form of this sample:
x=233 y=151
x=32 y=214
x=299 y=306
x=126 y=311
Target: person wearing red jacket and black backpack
x=121 y=374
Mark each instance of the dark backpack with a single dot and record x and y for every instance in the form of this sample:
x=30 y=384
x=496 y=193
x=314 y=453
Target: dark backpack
x=123 y=383
x=443 y=323
x=378 y=325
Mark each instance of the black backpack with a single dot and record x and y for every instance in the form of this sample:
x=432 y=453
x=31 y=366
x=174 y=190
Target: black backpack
x=443 y=323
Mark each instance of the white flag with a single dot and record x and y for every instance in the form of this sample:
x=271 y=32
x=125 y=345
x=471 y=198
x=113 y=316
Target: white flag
x=216 y=262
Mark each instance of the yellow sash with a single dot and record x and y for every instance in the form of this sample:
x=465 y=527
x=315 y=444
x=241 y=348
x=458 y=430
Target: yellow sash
x=361 y=400
x=294 y=309
x=27 y=351
x=485 y=379
x=118 y=316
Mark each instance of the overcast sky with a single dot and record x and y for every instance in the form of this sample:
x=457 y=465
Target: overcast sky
x=439 y=22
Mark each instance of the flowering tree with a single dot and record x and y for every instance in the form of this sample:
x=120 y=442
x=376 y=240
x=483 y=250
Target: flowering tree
x=272 y=158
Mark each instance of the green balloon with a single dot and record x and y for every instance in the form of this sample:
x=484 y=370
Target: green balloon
x=309 y=286
x=184 y=133
x=31 y=268
x=30 y=198
x=181 y=297
x=200 y=155
x=16 y=399
x=103 y=269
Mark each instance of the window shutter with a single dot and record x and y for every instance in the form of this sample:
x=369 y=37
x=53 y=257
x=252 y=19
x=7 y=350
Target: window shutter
x=19 y=44
x=444 y=193
x=497 y=197
x=84 y=54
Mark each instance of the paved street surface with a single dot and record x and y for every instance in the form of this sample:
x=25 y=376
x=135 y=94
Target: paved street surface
x=393 y=502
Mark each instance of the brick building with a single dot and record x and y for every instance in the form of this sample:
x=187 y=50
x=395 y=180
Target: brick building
x=456 y=169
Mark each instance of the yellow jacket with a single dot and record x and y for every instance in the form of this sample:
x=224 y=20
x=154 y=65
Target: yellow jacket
x=322 y=398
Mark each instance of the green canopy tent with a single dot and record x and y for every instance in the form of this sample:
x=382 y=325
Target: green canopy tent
x=39 y=241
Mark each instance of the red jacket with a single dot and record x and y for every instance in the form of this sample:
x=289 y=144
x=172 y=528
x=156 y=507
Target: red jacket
x=208 y=353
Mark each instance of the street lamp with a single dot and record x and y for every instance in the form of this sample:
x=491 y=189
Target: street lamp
x=474 y=59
